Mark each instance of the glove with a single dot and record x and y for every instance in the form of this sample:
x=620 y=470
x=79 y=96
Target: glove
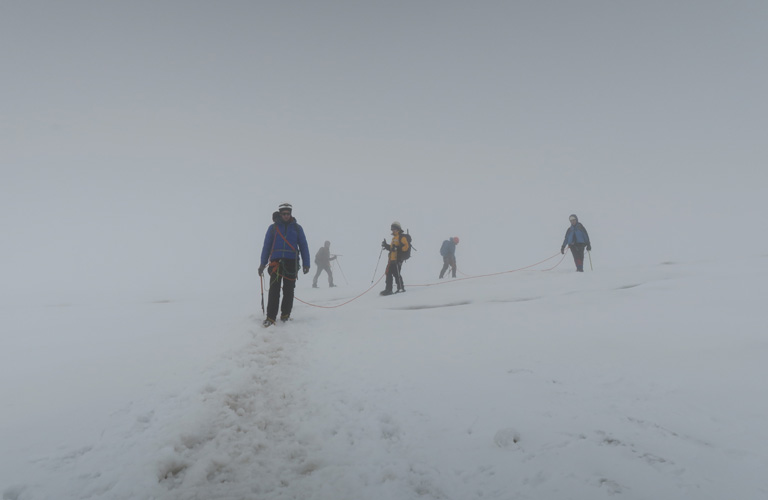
x=589 y=248
x=562 y=250
x=306 y=269
x=261 y=270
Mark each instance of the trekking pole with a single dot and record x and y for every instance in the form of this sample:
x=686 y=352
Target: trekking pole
x=377 y=265
x=589 y=254
x=261 y=278
x=342 y=270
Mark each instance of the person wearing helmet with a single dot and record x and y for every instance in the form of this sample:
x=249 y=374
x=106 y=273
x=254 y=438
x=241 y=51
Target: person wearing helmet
x=448 y=251
x=323 y=260
x=284 y=243
x=576 y=238
x=396 y=248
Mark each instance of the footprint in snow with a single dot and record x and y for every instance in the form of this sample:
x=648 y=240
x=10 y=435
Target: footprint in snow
x=507 y=438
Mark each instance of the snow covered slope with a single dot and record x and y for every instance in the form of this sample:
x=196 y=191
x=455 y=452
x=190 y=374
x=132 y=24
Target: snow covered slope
x=635 y=383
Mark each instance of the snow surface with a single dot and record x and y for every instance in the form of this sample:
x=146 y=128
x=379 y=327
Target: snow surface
x=645 y=382
x=144 y=146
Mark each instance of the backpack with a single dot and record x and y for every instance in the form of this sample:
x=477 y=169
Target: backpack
x=406 y=254
x=444 y=248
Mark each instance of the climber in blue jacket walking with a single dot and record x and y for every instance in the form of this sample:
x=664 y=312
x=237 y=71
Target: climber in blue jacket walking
x=577 y=239
x=284 y=243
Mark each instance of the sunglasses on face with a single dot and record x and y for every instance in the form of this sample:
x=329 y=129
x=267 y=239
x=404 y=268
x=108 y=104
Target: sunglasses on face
x=572 y=220
x=285 y=213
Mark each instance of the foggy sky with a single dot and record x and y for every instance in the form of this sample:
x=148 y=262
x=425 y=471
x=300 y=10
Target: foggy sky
x=144 y=145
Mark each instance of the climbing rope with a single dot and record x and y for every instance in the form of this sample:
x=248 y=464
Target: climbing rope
x=343 y=303
x=499 y=273
x=441 y=282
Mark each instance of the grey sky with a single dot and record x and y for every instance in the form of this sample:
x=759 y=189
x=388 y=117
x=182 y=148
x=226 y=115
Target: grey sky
x=161 y=135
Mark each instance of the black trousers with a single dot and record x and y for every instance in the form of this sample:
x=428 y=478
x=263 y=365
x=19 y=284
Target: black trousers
x=448 y=260
x=393 y=274
x=281 y=275
x=577 y=250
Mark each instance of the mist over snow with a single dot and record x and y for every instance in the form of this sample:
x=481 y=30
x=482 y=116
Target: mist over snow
x=144 y=147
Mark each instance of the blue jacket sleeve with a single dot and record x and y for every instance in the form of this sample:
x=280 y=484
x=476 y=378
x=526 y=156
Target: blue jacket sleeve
x=304 y=248
x=586 y=235
x=267 y=248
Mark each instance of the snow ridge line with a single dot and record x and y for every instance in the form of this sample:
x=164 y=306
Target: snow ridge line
x=251 y=423
x=233 y=437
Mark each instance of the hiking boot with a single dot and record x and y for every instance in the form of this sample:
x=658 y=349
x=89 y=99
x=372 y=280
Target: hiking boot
x=268 y=322
x=285 y=317
x=400 y=290
x=331 y=286
x=385 y=292
x=314 y=285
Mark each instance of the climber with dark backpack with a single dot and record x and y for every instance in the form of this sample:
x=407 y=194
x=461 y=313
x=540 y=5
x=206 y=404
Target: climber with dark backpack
x=448 y=251
x=405 y=253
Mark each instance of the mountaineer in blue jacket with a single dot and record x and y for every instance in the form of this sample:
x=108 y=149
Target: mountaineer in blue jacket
x=576 y=238
x=283 y=244
x=448 y=251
